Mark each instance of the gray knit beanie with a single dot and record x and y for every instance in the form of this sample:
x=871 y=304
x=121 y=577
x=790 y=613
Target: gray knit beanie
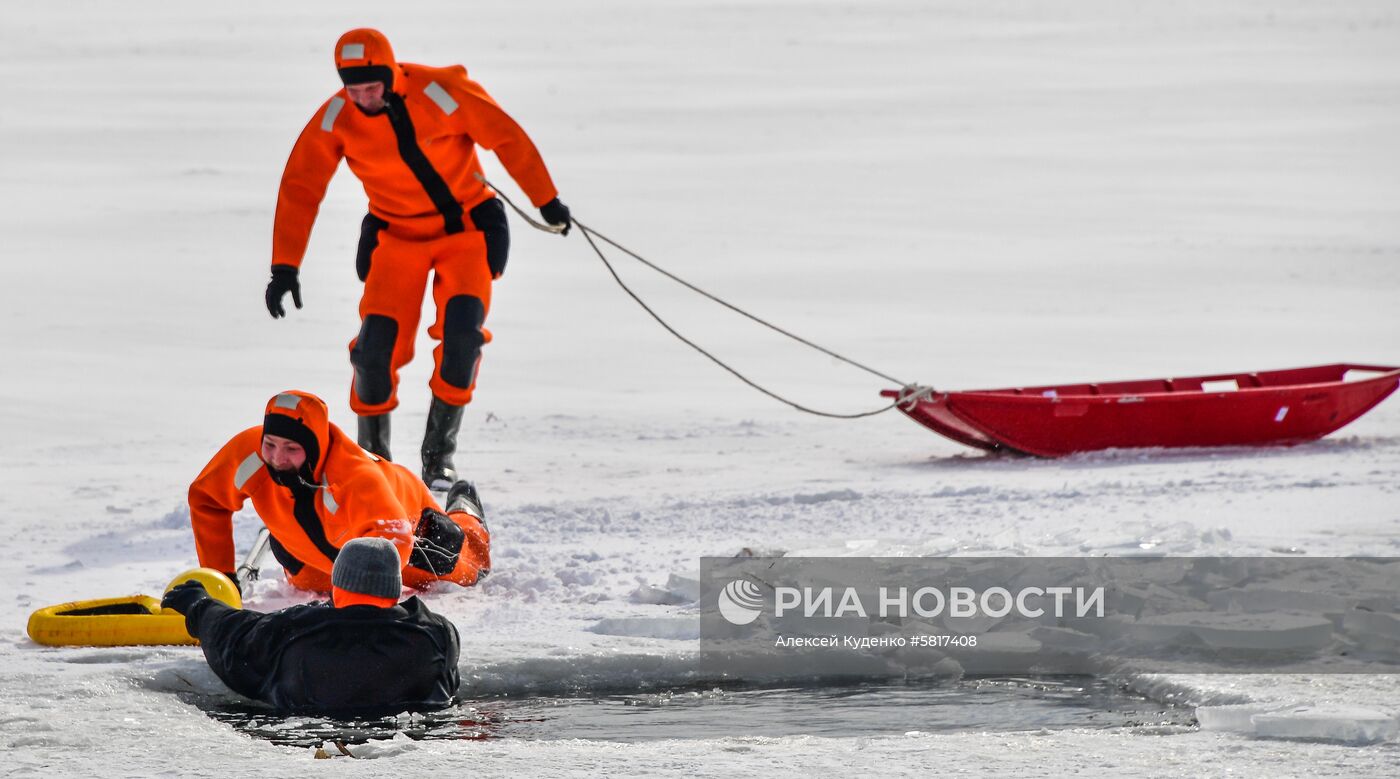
x=369 y=566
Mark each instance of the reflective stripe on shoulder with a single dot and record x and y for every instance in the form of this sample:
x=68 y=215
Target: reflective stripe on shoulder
x=440 y=96
x=332 y=111
x=327 y=500
x=250 y=465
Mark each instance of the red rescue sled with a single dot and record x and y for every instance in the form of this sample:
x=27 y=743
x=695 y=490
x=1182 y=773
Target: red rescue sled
x=1230 y=409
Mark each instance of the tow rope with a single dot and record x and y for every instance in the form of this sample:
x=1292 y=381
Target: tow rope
x=909 y=393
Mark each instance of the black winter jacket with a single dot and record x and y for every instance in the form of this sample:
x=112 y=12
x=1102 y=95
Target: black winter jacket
x=358 y=661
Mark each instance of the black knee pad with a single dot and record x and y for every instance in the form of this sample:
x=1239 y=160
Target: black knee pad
x=461 y=339
x=490 y=218
x=373 y=358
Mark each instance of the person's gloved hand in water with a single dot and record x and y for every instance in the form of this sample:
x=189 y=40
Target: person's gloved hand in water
x=184 y=596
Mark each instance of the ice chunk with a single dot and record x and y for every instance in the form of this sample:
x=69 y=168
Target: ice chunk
x=1268 y=632
x=1110 y=626
x=1065 y=638
x=1372 y=630
x=1334 y=722
x=1263 y=599
x=687 y=587
x=1386 y=603
x=400 y=744
x=1330 y=722
x=1151 y=599
x=996 y=650
x=652 y=595
x=674 y=628
x=1233 y=718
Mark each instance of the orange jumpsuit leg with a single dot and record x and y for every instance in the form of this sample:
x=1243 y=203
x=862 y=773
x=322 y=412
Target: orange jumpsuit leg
x=389 y=313
x=310 y=579
x=475 y=557
x=474 y=562
x=462 y=294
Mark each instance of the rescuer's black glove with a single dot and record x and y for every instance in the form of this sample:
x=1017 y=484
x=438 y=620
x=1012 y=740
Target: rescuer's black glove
x=284 y=280
x=183 y=596
x=557 y=213
x=437 y=543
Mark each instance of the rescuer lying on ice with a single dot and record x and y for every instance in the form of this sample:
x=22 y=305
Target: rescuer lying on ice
x=316 y=490
x=362 y=655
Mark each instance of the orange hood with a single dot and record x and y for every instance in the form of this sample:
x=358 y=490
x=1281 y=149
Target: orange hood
x=363 y=55
x=303 y=418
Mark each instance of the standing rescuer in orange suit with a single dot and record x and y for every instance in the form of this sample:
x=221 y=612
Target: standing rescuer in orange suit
x=410 y=135
x=316 y=490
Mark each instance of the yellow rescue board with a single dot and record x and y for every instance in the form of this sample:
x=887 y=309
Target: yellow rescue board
x=133 y=620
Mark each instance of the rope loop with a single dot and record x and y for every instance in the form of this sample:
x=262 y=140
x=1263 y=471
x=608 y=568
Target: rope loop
x=909 y=394
x=912 y=395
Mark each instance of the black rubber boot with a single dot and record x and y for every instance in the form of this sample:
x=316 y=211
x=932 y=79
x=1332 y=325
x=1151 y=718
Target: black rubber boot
x=440 y=443
x=463 y=497
x=374 y=435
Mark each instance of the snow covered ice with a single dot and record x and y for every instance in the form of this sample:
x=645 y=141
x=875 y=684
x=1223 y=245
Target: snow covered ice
x=964 y=194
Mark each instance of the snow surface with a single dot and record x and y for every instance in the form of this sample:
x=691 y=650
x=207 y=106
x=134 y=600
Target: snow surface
x=960 y=193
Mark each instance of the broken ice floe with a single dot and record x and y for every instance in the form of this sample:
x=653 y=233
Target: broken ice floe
x=1327 y=722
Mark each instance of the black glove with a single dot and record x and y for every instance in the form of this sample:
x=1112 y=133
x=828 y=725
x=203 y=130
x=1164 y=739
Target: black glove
x=557 y=213
x=437 y=543
x=284 y=280
x=184 y=596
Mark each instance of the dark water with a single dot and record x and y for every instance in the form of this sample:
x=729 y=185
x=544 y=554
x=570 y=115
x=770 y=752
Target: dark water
x=988 y=704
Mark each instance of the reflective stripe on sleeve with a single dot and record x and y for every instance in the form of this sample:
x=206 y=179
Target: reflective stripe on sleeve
x=332 y=111
x=440 y=96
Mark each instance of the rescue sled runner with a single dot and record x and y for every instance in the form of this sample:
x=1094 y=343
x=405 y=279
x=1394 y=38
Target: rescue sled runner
x=1231 y=409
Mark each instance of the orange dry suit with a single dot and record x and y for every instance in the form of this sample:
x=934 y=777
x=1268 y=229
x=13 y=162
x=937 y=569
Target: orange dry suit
x=341 y=493
x=427 y=211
